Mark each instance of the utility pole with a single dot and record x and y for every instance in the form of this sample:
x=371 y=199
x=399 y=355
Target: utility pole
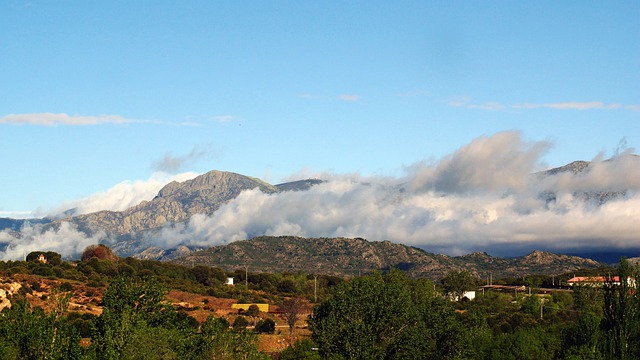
x=246 y=276
x=315 y=288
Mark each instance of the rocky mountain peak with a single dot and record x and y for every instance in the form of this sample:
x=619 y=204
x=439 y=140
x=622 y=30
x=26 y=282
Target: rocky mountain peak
x=175 y=202
x=169 y=189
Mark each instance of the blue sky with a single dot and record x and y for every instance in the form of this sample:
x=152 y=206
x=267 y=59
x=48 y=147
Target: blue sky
x=93 y=94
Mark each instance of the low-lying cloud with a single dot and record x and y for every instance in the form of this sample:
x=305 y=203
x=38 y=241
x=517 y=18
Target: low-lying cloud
x=484 y=196
x=64 y=239
x=488 y=195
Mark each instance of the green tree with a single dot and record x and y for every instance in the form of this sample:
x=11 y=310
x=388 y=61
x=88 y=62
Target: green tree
x=456 y=283
x=621 y=322
x=52 y=258
x=266 y=326
x=392 y=317
x=253 y=310
x=127 y=306
x=240 y=323
x=300 y=350
x=218 y=342
x=30 y=333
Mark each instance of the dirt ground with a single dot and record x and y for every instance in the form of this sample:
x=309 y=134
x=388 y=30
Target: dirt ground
x=87 y=299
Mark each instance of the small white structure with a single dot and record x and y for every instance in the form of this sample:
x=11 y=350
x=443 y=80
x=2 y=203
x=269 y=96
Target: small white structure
x=229 y=281
x=469 y=295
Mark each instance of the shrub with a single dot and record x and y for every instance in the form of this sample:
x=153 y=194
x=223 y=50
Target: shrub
x=266 y=326
x=240 y=323
x=253 y=310
x=66 y=286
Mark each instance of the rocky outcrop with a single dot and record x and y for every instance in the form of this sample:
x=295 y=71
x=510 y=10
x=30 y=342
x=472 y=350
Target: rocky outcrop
x=8 y=289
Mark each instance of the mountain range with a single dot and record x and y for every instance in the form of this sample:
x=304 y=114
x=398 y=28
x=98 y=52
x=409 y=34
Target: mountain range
x=132 y=232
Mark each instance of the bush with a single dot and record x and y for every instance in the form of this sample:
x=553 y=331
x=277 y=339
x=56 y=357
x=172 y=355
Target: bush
x=266 y=326
x=66 y=286
x=300 y=350
x=240 y=323
x=253 y=310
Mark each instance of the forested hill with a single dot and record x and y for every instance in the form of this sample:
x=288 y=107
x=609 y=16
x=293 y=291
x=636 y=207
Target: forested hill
x=345 y=256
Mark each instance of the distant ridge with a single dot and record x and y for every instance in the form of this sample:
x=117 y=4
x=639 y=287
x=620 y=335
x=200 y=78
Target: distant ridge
x=346 y=256
x=17 y=224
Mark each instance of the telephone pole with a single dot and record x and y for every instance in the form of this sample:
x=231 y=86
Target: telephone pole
x=315 y=288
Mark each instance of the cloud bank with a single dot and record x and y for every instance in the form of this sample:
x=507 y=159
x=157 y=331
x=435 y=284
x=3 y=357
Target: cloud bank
x=484 y=196
x=65 y=240
x=488 y=195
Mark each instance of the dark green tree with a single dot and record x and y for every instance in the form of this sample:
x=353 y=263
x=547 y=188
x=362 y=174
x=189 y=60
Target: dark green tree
x=51 y=257
x=127 y=306
x=621 y=323
x=253 y=310
x=30 y=333
x=387 y=317
x=266 y=326
x=240 y=323
x=300 y=350
x=217 y=341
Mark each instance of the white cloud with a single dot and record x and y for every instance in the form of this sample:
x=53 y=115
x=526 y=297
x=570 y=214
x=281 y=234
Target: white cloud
x=16 y=214
x=343 y=97
x=468 y=103
x=572 y=105
x=482 y=196
x=51 y=119
x=226 y=118
x=349 y=97
x=173 y=163
x=497 y=163
x=65 y=240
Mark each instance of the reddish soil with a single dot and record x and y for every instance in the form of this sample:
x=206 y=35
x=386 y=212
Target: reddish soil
x=87 y=299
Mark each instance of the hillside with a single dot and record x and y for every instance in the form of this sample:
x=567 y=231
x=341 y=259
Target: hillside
x=344 y=256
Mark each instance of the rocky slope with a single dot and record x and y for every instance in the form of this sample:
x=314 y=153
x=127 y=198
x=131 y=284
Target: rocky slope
x=345 y=256
x=175 y=202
